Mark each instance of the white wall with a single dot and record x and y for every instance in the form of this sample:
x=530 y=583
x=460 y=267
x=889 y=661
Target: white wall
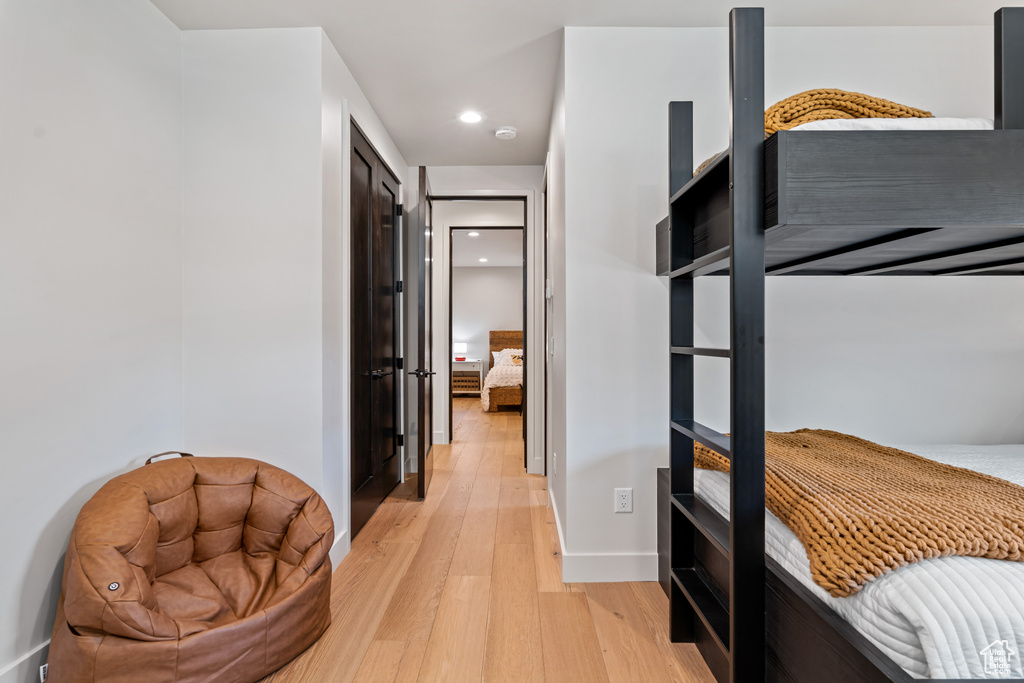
x=266 y=251
x=855 y=354
x=90 y=280
x=485 y=299
x=253 y=246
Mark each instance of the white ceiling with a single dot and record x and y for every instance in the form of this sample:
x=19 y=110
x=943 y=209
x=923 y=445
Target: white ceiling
x=422 y=62
x=500 y=248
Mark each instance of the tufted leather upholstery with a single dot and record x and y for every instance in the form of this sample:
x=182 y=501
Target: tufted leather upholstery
x=194 y=569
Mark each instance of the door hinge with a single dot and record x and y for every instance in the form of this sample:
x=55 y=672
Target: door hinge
x=399 y=286
x=399 y=209
x=401 y=439
x=401 y=363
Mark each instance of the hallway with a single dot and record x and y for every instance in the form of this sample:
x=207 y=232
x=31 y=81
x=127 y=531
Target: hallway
x=466 y=586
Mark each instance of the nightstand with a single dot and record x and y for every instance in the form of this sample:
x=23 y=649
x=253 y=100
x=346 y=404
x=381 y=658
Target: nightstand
x=467 y=376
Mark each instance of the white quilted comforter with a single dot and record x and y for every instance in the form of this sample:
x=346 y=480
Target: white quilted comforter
x=949 y=617
x=502 y=375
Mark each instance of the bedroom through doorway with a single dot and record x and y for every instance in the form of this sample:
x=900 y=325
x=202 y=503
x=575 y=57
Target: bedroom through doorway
x=485 y=297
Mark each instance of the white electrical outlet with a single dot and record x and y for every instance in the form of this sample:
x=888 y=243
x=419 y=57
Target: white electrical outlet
x=42 y=672
x=623 y=500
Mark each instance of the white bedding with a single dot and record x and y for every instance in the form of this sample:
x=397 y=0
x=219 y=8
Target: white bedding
x=501 y=375
x=898 y=124
x=933 y=618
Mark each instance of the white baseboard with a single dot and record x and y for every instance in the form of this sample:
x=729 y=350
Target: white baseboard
x=26 y=668
x=558 y=526
x=603 y=567
x=338 y=552
x=440 y=438
x=609 y=567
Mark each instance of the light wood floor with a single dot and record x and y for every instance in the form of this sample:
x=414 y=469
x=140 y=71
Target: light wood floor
x=466 y=586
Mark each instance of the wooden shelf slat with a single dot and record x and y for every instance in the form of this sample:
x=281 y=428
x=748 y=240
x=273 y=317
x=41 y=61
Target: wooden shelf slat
x=714 y=526
x=699 y=179
x=698 y=351
x=708 y=608
x=704 y=265
x=716 y=441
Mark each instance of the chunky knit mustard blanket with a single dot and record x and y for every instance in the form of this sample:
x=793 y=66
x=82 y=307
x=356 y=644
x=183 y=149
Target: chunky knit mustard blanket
x=862 y=510
x=821 y=105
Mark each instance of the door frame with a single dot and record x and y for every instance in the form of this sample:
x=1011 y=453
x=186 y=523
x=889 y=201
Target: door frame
x=451 y=373
x=424 y=227
x=533 y=418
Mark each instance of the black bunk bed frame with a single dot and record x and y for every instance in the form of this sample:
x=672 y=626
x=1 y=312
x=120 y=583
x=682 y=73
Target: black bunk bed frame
x=806 y=203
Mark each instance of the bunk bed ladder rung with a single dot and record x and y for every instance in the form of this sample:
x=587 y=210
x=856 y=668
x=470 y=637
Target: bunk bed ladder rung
x=704 y=519
x=706 y=604
x=696 y=351
x=717 y=596
x=704 y=265
x=716 y=441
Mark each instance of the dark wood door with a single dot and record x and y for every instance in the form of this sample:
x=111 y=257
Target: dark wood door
x=374 y=213
x=425 y=316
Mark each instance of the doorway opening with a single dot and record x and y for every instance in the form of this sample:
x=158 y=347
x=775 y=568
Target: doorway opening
x=486 y=314
x=483 y=352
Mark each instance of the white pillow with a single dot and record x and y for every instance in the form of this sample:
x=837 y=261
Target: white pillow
x=505 y=356
x=494 y=355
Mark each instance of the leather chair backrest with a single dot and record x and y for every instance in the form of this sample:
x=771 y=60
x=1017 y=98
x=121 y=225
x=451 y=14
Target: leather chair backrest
x=206 y=507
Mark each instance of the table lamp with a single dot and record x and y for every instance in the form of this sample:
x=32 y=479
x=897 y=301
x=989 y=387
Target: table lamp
x=459 y=349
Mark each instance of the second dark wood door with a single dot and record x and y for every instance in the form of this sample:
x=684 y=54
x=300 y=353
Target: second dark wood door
x=374 y=213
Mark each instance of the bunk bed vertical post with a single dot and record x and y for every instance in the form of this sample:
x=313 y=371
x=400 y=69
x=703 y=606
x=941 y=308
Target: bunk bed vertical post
x=1009 y=44
x=681 y=553
x=747 y=286
x=680 y=145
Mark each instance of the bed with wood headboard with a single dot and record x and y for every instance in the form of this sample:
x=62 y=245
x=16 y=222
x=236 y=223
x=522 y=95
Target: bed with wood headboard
x=503 y=396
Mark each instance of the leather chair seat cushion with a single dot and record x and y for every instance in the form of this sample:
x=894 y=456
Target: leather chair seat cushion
x=216 y=592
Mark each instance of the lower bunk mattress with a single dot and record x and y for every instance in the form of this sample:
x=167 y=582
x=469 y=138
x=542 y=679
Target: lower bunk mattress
x=950 y=617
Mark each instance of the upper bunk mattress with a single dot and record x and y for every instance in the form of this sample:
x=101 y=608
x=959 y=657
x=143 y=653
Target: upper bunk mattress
x=898 y=124
x=935 y=618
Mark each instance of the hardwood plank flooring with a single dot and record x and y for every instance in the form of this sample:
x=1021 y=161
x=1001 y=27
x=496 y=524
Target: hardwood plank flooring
x=456 y=647
x=572 y=651
x=514 y=646
x=391 y=661
x=466 y=586
x=630 y=653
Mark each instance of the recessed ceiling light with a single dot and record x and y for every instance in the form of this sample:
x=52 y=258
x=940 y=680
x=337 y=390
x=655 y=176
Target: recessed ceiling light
x=471 y=117
x=483 y=260
x=473 y=234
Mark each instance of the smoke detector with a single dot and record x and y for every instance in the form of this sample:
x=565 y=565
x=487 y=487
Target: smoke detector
x=505 y=133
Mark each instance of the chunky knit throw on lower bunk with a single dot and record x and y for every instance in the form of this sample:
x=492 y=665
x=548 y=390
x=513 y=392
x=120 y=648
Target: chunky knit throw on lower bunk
x=862 y=510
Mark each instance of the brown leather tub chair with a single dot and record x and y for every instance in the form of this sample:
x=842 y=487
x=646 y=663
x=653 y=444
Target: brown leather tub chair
x=193 y=569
